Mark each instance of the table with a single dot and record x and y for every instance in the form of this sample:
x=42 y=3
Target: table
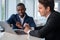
x=9 y=36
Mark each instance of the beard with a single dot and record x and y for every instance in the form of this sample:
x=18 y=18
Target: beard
x=21 y=15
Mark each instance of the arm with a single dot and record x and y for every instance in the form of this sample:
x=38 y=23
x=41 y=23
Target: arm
x=50 y=26
x=10 y=20
x=39 y=27
x=32 y=23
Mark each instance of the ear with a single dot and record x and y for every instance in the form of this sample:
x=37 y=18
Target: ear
x=48 y=9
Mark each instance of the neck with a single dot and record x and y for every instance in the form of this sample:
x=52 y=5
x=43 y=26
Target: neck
x=47 y=14
x=22 y=16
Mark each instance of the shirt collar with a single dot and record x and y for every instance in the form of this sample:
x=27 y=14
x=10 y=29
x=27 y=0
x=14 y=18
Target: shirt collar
x=23 y=17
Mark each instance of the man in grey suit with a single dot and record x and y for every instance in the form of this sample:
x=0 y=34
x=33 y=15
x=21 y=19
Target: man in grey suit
x=51 y=30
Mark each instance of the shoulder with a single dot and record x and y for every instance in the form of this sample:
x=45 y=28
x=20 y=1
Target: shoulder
x=55 y=14
x=29 y=17
x=14 y=15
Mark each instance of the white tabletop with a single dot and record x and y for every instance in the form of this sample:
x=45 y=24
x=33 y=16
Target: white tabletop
x=9 y=36
x=1 y=34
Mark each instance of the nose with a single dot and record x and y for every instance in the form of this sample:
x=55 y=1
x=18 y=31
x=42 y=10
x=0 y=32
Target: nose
x=20 y=11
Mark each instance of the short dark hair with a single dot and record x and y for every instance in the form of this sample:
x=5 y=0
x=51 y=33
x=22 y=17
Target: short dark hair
x=21 y=4
x=47 y=3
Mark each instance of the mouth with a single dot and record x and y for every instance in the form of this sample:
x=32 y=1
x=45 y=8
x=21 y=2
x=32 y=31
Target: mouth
x=21 y=14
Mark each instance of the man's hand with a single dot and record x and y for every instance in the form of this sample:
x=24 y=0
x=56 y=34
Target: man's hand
x=27 y=28
x=18 y=24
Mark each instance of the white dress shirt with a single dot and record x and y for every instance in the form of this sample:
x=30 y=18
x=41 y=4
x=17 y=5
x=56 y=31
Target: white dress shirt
x=22 y=19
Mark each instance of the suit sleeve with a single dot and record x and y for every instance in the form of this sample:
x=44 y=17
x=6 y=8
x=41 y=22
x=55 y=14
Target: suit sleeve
x=32 y=23
x=11 y=19
x=45 y=30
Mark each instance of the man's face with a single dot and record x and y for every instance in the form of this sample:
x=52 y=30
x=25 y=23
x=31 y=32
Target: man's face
x=21 y=10
x=42 y=10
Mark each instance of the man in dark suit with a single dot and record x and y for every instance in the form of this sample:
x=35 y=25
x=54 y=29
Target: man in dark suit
x=21 y=18
x=51 y=30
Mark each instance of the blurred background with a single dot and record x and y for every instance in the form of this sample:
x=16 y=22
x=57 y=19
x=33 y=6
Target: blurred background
x=8 y=7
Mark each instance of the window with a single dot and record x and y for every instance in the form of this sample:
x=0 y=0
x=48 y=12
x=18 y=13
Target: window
x=56 y=6
x=2 y=10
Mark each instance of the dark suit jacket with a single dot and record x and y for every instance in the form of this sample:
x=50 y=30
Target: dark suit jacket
x=51 y=30
x=15 y=18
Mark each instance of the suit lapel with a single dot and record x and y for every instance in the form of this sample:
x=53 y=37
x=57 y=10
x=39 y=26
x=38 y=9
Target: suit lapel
x=25 y=19
x=18 y=19
x=50 y=16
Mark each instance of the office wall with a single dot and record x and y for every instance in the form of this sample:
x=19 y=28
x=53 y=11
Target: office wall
x=29 y=7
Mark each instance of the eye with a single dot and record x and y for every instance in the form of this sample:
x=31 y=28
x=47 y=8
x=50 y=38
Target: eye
x=18 y=10
x=40 y=7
